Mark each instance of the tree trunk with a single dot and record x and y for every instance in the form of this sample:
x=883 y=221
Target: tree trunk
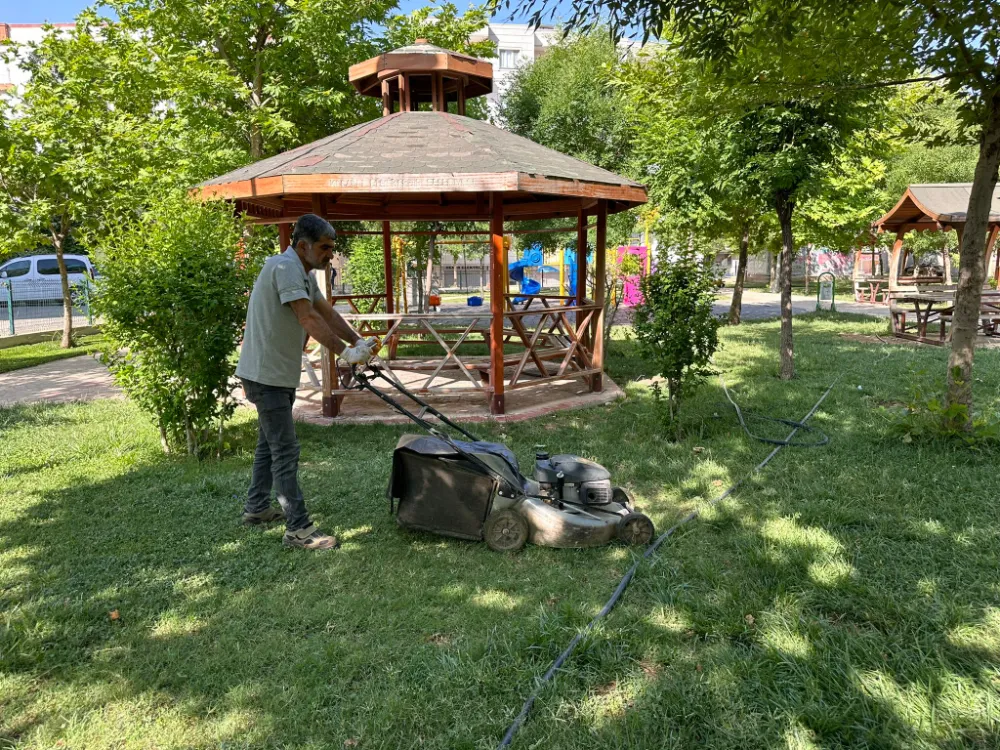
x=736 y=306
x=972 y=267
x=58 y=238
x=418 y=287
x=772 y=273
x=785 y=205
x=431 y=243
x=257 y=98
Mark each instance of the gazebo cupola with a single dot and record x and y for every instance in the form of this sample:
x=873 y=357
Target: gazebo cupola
x=425 y=161
x=422 y=73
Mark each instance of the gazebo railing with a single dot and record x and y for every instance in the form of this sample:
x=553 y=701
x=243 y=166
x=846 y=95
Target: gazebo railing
x=543 y=342
x=444 y=332
x=362 y=304
x=556 y=340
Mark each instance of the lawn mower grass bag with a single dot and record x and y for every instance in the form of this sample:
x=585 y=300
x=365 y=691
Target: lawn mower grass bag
x=434 y=487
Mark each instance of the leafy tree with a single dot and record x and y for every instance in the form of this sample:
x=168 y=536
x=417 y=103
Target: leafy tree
x=366 y=266
x=81 y=141
x=173 y=294
x=683 y=154
x=567 y=100
x=276 y=72
x=829 y=47
x=675 y=325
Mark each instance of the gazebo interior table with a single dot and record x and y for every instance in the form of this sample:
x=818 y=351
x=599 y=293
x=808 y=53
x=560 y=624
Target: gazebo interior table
x=424 y=161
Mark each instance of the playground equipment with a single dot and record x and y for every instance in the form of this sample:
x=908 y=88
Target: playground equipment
x=568 y=269
x=533 y=257
x=631 y=290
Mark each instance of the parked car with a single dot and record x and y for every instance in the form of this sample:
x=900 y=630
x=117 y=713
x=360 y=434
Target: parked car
x=35 y=278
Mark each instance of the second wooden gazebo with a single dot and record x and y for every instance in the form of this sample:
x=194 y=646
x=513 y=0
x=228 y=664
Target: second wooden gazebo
x=438 y=165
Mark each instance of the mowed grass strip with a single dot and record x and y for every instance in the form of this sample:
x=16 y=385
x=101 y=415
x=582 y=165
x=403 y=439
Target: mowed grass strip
x=29 y=355
x=849 y=596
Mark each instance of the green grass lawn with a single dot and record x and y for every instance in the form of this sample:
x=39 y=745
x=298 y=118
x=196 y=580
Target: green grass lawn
x=848 y=597
x=29 y=355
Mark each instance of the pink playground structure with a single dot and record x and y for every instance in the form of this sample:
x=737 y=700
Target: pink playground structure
x=631 y=294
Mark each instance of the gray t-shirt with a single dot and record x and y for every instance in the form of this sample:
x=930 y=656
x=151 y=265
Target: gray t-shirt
x=273 y=340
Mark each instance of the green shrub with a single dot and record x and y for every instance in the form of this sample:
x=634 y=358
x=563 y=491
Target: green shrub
x=173 y=295
x=366 y=266
x=675 y=325
x=928 y=419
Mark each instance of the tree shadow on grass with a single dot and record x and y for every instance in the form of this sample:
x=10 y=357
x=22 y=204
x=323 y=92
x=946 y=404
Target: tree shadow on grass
x=137 y=604
x=409 y=640
x=848 y=598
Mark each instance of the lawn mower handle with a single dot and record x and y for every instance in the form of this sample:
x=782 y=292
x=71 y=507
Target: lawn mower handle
x=363 y=376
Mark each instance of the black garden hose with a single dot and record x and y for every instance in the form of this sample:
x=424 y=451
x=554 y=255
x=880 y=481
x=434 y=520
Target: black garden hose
x=522 y=715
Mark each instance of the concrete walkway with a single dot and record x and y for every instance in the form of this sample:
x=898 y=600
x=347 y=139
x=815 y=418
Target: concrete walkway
x=76 y=379
x=760 y=305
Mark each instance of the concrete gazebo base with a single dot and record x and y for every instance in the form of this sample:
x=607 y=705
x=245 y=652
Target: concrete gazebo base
x=471 y=407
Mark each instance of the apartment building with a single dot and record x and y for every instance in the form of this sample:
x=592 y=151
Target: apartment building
x=517 y=45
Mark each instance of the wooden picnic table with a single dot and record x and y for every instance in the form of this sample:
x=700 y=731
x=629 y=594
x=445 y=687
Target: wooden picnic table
x=929 y=304
x=867 y=290
x=926 y=305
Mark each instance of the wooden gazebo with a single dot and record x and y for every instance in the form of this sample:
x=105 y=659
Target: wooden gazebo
x=438 y=165
x=933 y=208
x=929 y=299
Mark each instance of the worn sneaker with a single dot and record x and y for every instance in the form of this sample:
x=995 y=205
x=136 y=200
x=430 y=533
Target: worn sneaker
x=268 y=515
x=310 y=538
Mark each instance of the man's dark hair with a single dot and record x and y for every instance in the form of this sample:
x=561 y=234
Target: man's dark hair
x=312 y=228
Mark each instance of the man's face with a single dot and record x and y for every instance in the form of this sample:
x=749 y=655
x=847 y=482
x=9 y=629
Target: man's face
x=318 y=254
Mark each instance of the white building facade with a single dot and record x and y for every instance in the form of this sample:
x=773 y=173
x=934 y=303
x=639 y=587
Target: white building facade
x=517 y=45
x=11 y=74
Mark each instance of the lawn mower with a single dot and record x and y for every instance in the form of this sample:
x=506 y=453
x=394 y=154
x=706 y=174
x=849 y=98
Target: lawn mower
x=472 y=489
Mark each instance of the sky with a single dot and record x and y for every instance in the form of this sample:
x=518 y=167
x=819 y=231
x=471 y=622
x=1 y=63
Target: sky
x=60 y=11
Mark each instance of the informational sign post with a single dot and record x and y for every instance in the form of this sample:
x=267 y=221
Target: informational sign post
x=826 y=292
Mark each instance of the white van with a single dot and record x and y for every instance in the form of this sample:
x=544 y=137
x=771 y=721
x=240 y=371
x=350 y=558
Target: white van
x=35 y=278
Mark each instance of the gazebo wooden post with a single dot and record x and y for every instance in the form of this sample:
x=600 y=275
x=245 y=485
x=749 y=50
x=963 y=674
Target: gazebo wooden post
x=387 y=262
x=389 y=347
x=991 y=244
x=386 y=99
x=896 y=258
x=460 y=107
x=284 y=236
x=581 y=269
x=497 y=304
x=600 y=253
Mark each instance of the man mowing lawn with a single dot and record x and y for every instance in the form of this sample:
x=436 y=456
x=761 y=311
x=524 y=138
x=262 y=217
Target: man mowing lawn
x=286 y=305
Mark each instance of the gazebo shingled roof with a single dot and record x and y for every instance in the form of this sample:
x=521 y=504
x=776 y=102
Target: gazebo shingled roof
x=413 y=165
x=933 y=206
x=422 y=161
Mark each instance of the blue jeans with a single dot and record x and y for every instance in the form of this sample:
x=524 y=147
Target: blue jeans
x=276 y=460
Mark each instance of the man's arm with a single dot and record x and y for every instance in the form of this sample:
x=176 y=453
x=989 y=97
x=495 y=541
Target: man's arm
x=336 y=323
x=316 y=326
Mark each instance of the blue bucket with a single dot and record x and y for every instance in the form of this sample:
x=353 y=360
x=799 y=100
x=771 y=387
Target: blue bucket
x=475 y=301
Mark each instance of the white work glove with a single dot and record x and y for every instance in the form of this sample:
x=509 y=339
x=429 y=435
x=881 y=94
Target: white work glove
x=359 y=354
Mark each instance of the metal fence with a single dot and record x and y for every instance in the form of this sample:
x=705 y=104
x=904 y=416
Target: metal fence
x=37 y=306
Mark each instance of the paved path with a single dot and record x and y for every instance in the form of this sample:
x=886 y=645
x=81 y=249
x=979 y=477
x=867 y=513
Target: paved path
x=760 y=305
x=76 y=379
